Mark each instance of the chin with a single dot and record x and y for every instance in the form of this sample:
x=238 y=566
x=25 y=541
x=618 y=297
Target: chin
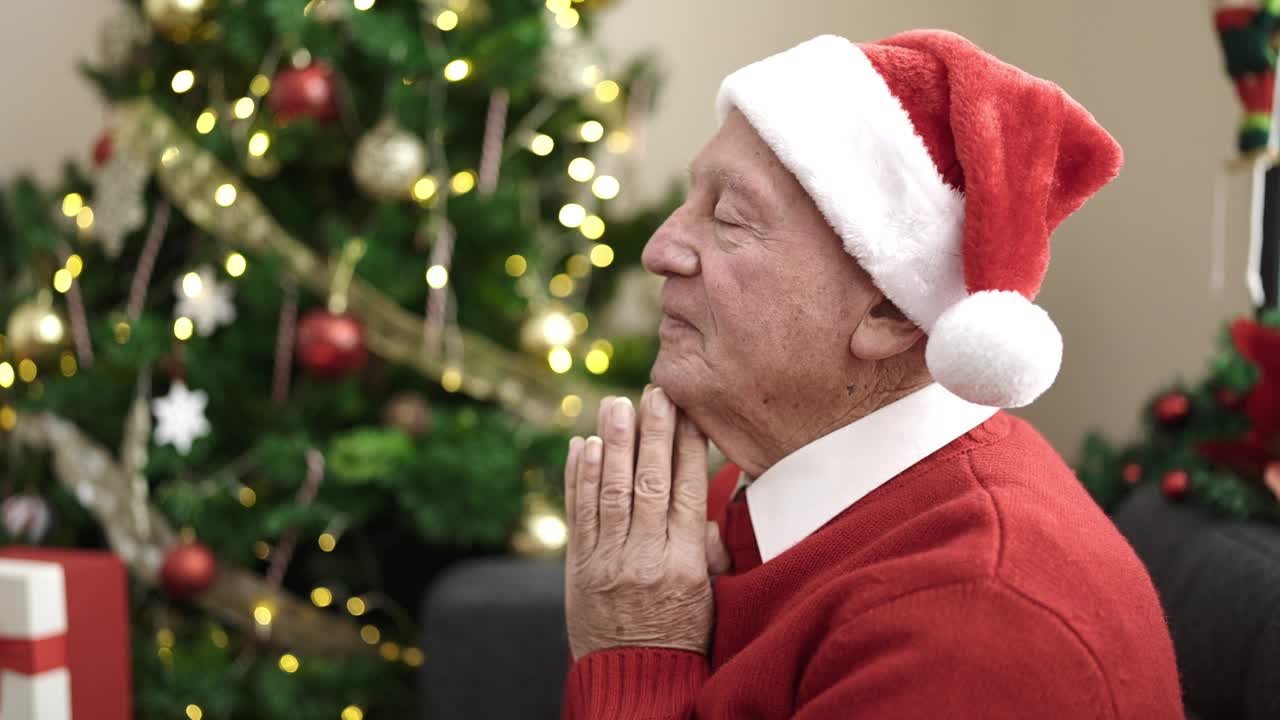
x=679 y=378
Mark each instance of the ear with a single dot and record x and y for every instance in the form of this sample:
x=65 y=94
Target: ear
x=884 y=332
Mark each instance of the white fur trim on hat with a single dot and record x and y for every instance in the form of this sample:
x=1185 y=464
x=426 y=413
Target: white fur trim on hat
x=833 y=122
x=995 y=348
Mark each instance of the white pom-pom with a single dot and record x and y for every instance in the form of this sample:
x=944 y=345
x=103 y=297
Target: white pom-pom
x=995 y=348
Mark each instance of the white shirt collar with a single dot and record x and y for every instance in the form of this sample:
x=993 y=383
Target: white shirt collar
x=806 y=489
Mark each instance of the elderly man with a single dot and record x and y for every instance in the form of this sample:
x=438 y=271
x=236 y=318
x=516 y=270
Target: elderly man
x=847 y=305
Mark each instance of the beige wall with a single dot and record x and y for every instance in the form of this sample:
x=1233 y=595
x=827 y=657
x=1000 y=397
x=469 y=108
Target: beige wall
x=1129 y=285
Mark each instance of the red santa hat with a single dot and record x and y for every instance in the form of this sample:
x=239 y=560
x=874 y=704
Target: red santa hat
x=944 y=171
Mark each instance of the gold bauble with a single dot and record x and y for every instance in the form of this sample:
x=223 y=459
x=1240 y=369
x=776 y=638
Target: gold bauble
x=35 y=329
x=408 y=411
x=179 y=19
x=542 y=531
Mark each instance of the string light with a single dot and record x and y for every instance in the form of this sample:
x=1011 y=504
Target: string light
x=71 y=204
x=571 y=406
x=451 y=380
x=67 y=364
x=578 y=266
x=192 y=285
x=225 y=195
x=591 y=131
x=183 y=80
x=236 y=264
x=363 y=5
x=74 y=265
x=6 y=375
x=219 y=638
x=597 y=362
x=550 y=530
x=182 y=328
x=591 y=75
x=84 y=218
x=259 y=143
x=447 y=20
x=579 y=322
x=260 y=85
x=356 y=606
x=561 y=286
x=572 y=215
x=602 y=256
x=559 y=359
x=606 y=187
x=542 y=145
x=169 y=156
x=457 y=70
x=463 y=182
x=289 y=663
x=556 y=329
x=27 y=370
x=62 y=280
x=206 y=122
x=592 y=227
x=370 y=634
x=50 y=329
x=327 y=542
x=437 y=276
x=425 y=188
x=568 y=19
x=581 y=169
x=166 y=655
x=321 y=597
x=122 y=332
x=413 y=657
x=194 y=712
x=607 y=91
x=352 y=712
x=248 y=497
x=516 y=265
x=558 y=6
x=262 y=615
x=244 y=107
x=261 y=550
x=8 y=418
x=390 y=651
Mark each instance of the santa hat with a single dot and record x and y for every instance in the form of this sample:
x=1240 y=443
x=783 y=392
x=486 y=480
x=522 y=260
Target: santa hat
x=944 y=171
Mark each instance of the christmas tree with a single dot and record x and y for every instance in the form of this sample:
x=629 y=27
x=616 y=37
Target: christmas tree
x=315 y=322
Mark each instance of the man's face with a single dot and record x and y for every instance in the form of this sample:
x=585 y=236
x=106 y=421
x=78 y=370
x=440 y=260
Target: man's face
x=760 y=298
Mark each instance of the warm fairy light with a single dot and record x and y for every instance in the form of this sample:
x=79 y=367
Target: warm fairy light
x=447 y=20
x=122 y=332
x=206 y=122
x=572 y=215
x=352 y=712
x=561 y=286
x=74 y=265
x=370 y=634
x=568 y=19
x=390 y=651
x=542 y=144
x=71 y=204
x=261 y=550
x=192 y=285
x=559 y=359
x=219 y=637
x=606 y=187
x=8 y=418
x=516 y=265
x=463 y=182
x=597 y=362
x=581 y=169
x=327 y=542
x=248 y=497
x=225 y=195
x=236 y=264
x=183 y=80
x=260 y=85
x=356 y=606
x=578 y=266
x=424 y=188
x=457 y=70
x=602 y=256
x=169 y=156
x=182 y=328
x=579 y=322
x=591 y=75
x=603 y=346
x=62 y=280
x=607 y=91
x=67 y=364
x=451 y=380
x=259 y=143
x=550 y=529
x=194 y=712
x=558 y=6
x=262 y=615
x=571 y=406
x=363 y=5
x=413 y=657
x=27 y=370
x=49 y=329
x=591 y=131
x=164 y=637
x=6 y=375
x=556 y=329
x=592 y=227
x=244 y=107
x=437 y=276
x=289 y=663
x=84 y=218
x=321 y=597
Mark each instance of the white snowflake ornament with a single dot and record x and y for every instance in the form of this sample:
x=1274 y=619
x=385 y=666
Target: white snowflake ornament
x=180 y=417
x=203 y=299
x=119 y=201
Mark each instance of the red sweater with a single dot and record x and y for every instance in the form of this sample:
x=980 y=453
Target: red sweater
x=981 y=583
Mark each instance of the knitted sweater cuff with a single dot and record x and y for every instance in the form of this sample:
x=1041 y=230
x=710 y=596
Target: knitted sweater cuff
x=635 y=684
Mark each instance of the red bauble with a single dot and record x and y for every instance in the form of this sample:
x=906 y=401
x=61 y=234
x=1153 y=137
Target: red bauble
x=189 y=569
x=1176 y=484
x=306 y=93
x=331 y=345
x=103 y=150
x=1172 y=409
x=1132 y=474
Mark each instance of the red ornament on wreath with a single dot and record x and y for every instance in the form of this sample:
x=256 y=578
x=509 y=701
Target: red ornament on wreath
x=1228 y=398
x=1176 y=484
x=188 y=570
x=1173 y=409
x=308 y=93
x=103 y=150
x=1132 y=474
x=331 y=345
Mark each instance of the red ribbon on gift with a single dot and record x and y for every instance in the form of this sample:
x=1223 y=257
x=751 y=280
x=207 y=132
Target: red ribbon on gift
x=31 y=657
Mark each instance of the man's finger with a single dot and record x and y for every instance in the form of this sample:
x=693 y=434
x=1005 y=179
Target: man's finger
x=602 y=415
x=652 y=487
x=571 y=484
x=689 y=486
x=718 y=560
x=587 y=515
x=619 y=432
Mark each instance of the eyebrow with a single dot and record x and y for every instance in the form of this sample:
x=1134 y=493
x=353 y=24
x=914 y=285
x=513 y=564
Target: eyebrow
x=733 y=180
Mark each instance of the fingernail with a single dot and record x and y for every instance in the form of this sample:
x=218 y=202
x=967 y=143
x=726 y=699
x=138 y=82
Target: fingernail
x=594 y=449
x=574 y=443
x=659 y=403
x=622 y=413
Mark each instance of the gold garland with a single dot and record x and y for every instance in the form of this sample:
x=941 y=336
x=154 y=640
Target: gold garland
x=191 y=176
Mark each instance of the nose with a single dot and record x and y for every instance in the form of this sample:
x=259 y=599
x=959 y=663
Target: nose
x=670 y=251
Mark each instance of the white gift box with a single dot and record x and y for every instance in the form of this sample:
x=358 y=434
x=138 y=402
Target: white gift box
x=35 y=683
